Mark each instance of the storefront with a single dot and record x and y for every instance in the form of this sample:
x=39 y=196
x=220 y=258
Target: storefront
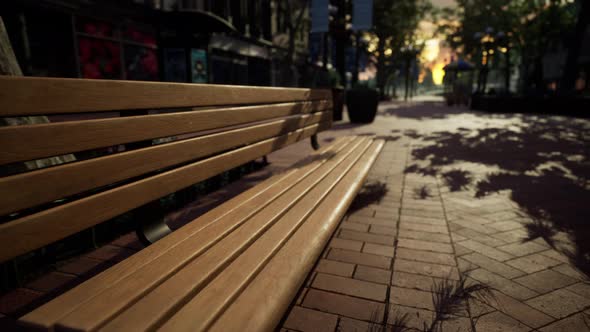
x=237 y=61
x=83 y=39
x=130 y=41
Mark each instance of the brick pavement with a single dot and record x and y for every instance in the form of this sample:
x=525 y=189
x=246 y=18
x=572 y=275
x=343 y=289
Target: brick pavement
x=439 y=206
x=442 y=232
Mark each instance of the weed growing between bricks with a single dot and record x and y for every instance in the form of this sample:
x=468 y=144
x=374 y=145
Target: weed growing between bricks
x=450 y=299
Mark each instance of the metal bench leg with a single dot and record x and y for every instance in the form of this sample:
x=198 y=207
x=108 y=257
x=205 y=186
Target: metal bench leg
x=314 y=142
x=151 y=226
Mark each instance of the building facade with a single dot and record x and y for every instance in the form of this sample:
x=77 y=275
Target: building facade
x=199 y=41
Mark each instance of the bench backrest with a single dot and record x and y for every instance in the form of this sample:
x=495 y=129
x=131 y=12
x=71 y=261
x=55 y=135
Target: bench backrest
x=217 y=128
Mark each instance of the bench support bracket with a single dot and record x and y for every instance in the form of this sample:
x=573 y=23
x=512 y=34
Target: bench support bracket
x=151 y=231
x=151 y=225
x=314 y=142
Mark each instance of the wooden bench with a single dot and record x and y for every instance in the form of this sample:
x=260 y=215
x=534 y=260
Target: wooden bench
x=235 y=268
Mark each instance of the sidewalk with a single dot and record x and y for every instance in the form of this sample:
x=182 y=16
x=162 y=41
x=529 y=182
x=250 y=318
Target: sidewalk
x=499 y=201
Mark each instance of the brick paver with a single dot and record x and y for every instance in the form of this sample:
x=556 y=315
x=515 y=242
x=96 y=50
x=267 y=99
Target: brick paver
x=336 y=268
x=372 y=274
x=302 y=319
x=497 y=321
x=560 y=303
x=348 y=286
x=343 y=305
x=353 y=257
x=533 y=263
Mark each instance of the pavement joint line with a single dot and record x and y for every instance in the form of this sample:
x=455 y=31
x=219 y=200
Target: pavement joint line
x=395 y=241
x=467 y=305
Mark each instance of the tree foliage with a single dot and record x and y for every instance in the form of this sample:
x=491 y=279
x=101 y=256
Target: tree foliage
x=291 y=17
x=533 y=28
x=395 y=25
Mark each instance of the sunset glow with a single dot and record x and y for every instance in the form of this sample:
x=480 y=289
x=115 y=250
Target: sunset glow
x=434 y=57
x=438 y=73
x=431 y=50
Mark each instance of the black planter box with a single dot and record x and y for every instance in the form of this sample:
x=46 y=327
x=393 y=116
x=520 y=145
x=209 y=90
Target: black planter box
x=559 y=105
x=337 y=103
x=362 y=105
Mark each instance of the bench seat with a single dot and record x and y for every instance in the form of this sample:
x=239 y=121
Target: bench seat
x=130 y=144
x=236 y=268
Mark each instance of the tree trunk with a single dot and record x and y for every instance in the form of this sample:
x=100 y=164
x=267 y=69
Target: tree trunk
x=507 y=73
x=407 y=79
x=357 y=59
x=570 y=71
x=341 y=38
x=291 y=47
x=381 y=65
x=341 y=58
x=538 y=76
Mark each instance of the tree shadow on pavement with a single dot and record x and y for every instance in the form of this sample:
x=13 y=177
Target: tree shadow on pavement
x=371 y=193
x=457 y=179
x=544 y=162
x=426 y=110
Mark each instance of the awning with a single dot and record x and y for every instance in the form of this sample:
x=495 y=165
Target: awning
x=197 y=21
x=235 y=45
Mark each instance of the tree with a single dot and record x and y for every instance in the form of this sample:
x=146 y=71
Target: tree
x=532 y=29
x=394 y=25
x=569 y=75
x=291 y=15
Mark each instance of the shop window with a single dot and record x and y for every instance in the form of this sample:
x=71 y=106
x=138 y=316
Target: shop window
x=229 y=69
x=94 y=28
x=99 y=58
x=113 y=51
x=175 y=65
x=141 y=63
x=132 y=34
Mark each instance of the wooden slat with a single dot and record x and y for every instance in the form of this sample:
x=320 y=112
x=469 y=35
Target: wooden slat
x=23 y=143
x=35 y=95
x=30 y=189
x=34 y=231
x=254 y=199
x=201 y=311
x=276 y=285
x=280 y=216
x=212 y=252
